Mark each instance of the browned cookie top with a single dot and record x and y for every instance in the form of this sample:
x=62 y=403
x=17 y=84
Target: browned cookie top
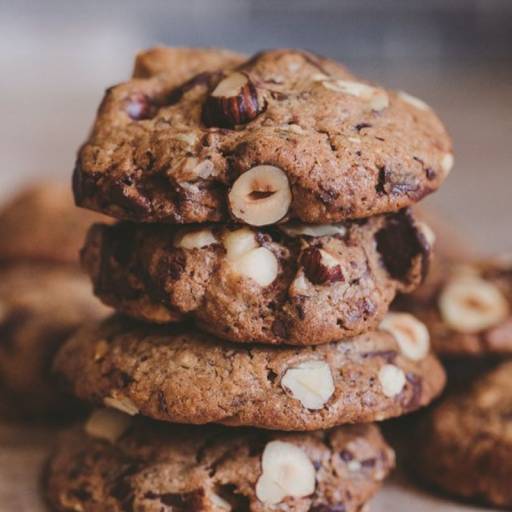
x=468 y=310
x=299 y=284
x=177 y=374
x=465 y=444
x=41 y=223
x=118 y=464
x=183 y=62
x=286 y=135
x=40 y=306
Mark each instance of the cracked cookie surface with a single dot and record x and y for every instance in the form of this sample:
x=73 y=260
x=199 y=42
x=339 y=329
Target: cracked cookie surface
x=160 y=467
x=177 y=374
x=468 y=308
x=40 y=306
x=464 y=445
x=286 y=132
x=298 y=284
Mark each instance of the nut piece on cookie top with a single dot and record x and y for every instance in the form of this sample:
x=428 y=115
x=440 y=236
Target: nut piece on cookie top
x=283 y=135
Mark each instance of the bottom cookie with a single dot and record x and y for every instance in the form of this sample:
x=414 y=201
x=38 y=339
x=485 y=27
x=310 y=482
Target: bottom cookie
x=117 y=463
x=464 y=445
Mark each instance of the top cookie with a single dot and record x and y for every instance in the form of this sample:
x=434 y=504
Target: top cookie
x=287 y=134
x=42 y=224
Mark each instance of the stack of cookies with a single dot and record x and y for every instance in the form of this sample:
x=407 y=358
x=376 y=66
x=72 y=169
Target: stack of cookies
x=264 y=231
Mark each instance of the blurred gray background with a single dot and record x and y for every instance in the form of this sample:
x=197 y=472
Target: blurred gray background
x=58 y=56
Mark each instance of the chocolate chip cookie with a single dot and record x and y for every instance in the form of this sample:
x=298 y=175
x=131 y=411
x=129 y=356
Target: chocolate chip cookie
x=117 y=464
x=464 y=445
x=469 y=311
x=180 y=375
x=40 y=306
x=299 y=284
x=183 y=62
x=41 y=223
x=286 y=134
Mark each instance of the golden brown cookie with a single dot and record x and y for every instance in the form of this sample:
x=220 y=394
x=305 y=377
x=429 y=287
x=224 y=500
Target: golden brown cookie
x=177 y=374
x=287 y=134
x=299 y=284
x=116 y=464
x=464 y=444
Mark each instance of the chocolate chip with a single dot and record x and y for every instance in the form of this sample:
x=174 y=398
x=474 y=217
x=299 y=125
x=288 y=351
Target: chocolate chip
x=399 y=243
x=361 y=126
x=346 y=456
x=322 y=507
x=279 y=329
x=416 y=384
x=184 y=502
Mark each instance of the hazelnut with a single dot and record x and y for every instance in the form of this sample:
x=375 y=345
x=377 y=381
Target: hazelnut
x=411 y=335
x=413 y=101
x=321 y=267
x=248 y=259
x=377 y=98
x=286 y=471
x=121 y=403
x=260 y=196
x=195 y=239
x=447 y=163
x=310 y=382
x=108 y=424
x=469 y=304
x=392 y=380
x=234 y=101
x=313 y=230
x=239 y=242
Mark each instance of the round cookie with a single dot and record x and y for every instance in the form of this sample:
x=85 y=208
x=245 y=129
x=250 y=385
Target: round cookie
x=288 y=134
x=464 y=445
x=299 y=284
x=180 y=375
x=468 y=309
x=183 y=62
x=149 y=467
x=41 y=223
x=40 y=306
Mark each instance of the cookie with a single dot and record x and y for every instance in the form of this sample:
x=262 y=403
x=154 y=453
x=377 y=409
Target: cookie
x=464 y=445
x=469 y=311
x=41 y=223
x=117 y=464
x=286 y=135
x=40 y=306
x=183 y=62
x=180 y=375
x=299 y=284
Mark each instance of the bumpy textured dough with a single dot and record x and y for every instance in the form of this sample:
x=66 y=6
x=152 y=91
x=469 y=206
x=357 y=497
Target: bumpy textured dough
x=157 y=467
x=182 y=62
x=41 y=223
x=171 y=151
x=464 y=445
x=177 y=374
x=322 y=289
x=40 y=306
x=468 y=308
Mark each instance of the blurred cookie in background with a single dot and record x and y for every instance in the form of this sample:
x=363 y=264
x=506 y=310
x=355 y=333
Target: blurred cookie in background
x=464 y=445
x=41 y=223
x=44 y=296
x=40 y=306
x=469 y=309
